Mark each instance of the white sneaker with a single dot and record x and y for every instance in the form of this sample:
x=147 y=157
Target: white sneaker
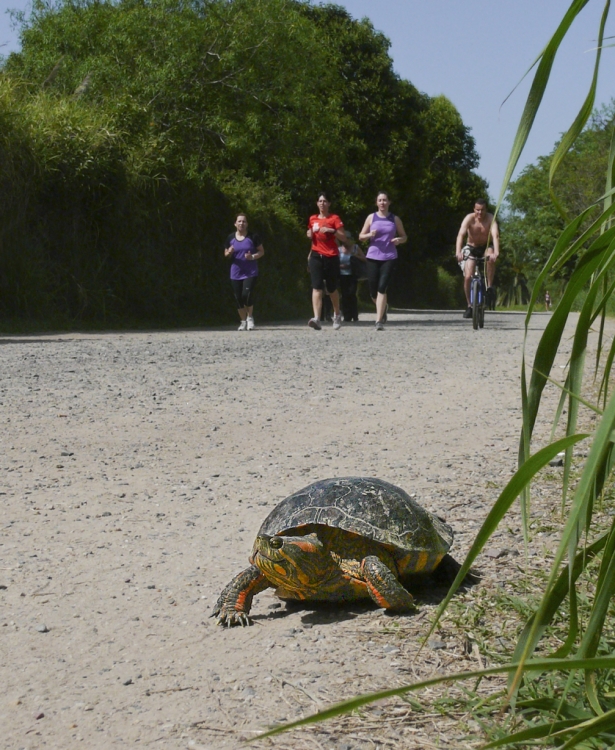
x=337 y=322
x=315 y=324
x=250 y=322
x=379 y=325
x=243 y=326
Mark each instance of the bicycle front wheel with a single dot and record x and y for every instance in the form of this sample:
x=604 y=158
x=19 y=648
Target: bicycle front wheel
x=475 y=303
x=481 y=316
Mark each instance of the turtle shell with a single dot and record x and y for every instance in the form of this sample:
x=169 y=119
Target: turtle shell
x=369 y=507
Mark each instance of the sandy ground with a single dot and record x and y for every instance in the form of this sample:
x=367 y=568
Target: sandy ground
x=137 y=469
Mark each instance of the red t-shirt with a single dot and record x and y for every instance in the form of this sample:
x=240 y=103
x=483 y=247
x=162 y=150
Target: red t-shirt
x=325 y=244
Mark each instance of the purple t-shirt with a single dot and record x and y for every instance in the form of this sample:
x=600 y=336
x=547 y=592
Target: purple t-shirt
x=381 y=247
x=240 y=267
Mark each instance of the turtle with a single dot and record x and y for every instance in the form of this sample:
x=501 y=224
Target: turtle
x=338 y=540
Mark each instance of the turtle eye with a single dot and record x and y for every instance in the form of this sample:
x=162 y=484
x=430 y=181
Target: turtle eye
x=276 y=542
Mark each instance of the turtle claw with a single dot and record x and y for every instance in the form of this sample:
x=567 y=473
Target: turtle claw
x=235 y=600
x=230 y=618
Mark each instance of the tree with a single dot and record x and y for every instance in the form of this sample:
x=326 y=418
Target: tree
x=533 y=222
x=513 y=286
x=211 y=106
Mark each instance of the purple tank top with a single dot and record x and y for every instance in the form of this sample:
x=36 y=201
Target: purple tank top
x=381 y=247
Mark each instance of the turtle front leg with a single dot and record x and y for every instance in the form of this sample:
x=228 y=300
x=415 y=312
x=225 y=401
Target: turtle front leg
x=383 y=586
x=235 y=601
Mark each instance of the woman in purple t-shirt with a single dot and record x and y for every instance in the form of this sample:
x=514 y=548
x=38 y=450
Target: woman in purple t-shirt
x=245 y=249
x=384 y=231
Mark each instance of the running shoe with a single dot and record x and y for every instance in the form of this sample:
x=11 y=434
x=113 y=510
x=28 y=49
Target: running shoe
x=337 y=322
x=315 y=324
x=468 y=313
x=379 y=325
x=243 y=326
x=250 y=323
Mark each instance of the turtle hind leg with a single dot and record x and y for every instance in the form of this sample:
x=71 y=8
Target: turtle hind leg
x=235 y=601
x=383 y=586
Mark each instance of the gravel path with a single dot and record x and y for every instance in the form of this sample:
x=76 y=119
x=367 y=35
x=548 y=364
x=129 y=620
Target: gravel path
x=138 y=467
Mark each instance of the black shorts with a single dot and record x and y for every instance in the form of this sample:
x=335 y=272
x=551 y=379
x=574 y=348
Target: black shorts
x=324 y=271
x=476 y=251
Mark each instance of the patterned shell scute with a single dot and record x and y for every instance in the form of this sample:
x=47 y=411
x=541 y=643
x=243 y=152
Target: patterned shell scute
x=370 y=507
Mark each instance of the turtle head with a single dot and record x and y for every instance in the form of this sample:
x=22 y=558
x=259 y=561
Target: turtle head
x=294 y=564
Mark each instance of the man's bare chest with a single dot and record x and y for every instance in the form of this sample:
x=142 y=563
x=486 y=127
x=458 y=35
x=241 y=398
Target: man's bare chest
x=478 y=228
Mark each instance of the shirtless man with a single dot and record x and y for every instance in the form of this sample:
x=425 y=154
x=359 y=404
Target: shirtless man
x=483 y=240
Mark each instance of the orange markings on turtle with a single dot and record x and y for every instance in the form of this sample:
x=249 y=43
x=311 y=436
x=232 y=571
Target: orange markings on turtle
x=305 y=546
x=378 y=596
x=241 y=601
x=421 y=561
x=280 y=569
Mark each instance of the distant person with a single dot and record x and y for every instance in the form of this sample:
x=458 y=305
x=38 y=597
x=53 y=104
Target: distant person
x=324 y=228
x=351 y=255
x=385 y=232
x=483 y=241
x=547 y=301
x=245 y=249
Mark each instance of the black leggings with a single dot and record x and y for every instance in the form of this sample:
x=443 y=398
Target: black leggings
x=379 y=273
x=243 y=289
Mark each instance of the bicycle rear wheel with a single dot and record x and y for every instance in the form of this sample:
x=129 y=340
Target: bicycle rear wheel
x=475 y=304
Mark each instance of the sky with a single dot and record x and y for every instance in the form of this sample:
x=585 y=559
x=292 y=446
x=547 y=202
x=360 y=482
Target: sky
x=475 y=52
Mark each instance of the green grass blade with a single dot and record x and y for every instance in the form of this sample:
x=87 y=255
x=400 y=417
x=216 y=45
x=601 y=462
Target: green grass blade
x=549 y=343
x=600 y=308
x=509 y=494
x=592 y=729
x=344 y=707
x=596 y=227
x=604 y=386
x=568 y=244
x=556 y=596
x=567 y=392
x=573 y=625
x=560 y=405
x=605 y=589
x=598 y=463
x=565 y=711
x=534 y=733
x=610 y=175
x=602 y=312
x=576 y=370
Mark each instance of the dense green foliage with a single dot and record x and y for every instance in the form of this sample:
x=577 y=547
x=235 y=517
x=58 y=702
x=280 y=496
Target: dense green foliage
x=132 y=132
x=533 y=223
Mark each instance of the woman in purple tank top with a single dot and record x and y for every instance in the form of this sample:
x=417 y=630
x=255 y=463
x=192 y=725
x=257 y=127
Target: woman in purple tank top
x=384 y=231
x=244 y=249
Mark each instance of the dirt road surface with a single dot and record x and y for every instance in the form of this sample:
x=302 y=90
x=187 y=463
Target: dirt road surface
x=137 y=469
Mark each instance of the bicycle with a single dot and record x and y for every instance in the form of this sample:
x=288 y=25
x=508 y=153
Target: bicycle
x=477 y=294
